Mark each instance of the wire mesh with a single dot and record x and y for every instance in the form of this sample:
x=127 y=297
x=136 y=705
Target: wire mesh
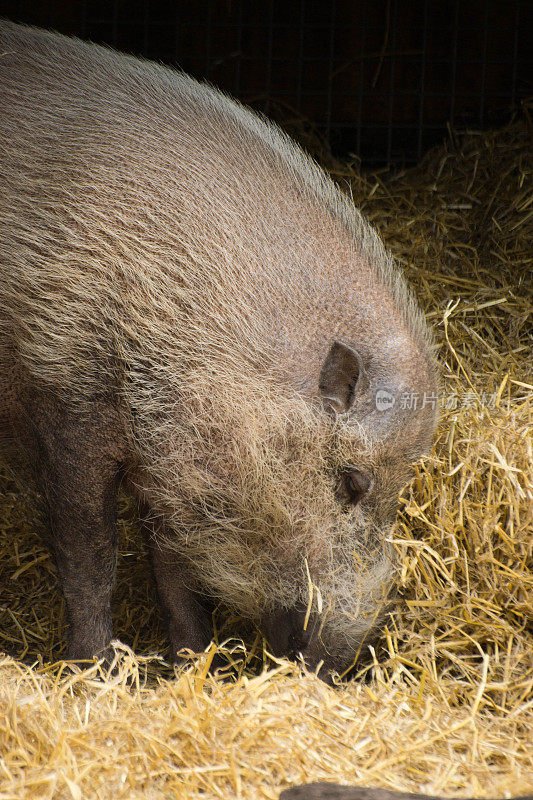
x=380 y=79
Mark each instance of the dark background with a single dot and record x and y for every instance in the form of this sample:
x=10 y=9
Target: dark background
x=381 y=79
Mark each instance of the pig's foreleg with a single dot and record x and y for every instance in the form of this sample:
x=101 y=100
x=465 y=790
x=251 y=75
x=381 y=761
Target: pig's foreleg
x=78 y=456
x=188 y=621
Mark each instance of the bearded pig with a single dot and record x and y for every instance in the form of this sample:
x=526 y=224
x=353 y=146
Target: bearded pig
x=191 y=308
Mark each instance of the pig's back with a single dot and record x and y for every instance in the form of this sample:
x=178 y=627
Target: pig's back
x=139 y=203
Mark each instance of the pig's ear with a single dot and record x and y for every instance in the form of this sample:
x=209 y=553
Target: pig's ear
x=340 y=376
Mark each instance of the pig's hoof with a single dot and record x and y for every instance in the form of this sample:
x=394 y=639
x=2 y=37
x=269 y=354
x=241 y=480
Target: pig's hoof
x=225 y=664
x=108 y=659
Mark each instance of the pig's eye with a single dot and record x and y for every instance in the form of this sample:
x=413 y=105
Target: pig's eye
x=356 y=485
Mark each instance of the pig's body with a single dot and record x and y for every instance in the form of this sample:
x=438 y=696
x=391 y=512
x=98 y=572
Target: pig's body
x=174 y=276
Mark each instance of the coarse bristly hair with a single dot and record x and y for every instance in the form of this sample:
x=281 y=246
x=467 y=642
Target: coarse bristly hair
x=257 y=508
x=165 y=247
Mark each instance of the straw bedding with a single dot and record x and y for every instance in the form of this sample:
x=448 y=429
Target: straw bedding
x=445 y=704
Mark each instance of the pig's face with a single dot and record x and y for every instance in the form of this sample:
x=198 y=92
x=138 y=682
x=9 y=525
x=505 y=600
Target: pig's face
x=288 y=506
x=386 y=421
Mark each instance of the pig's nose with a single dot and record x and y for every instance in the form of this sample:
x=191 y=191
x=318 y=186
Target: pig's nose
x=300 y=638
x=285 y=631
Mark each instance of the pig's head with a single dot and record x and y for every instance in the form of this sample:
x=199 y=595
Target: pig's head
x=288 y=500
x=384 y=414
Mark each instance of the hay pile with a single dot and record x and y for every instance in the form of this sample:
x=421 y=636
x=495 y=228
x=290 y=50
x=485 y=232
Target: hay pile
x=446 y=706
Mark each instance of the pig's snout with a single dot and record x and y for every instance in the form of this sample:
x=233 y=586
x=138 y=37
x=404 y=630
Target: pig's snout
x=287 y=636
x=286 y=633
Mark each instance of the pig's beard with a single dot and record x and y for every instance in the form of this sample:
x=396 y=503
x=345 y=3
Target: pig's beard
x=255 y=515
